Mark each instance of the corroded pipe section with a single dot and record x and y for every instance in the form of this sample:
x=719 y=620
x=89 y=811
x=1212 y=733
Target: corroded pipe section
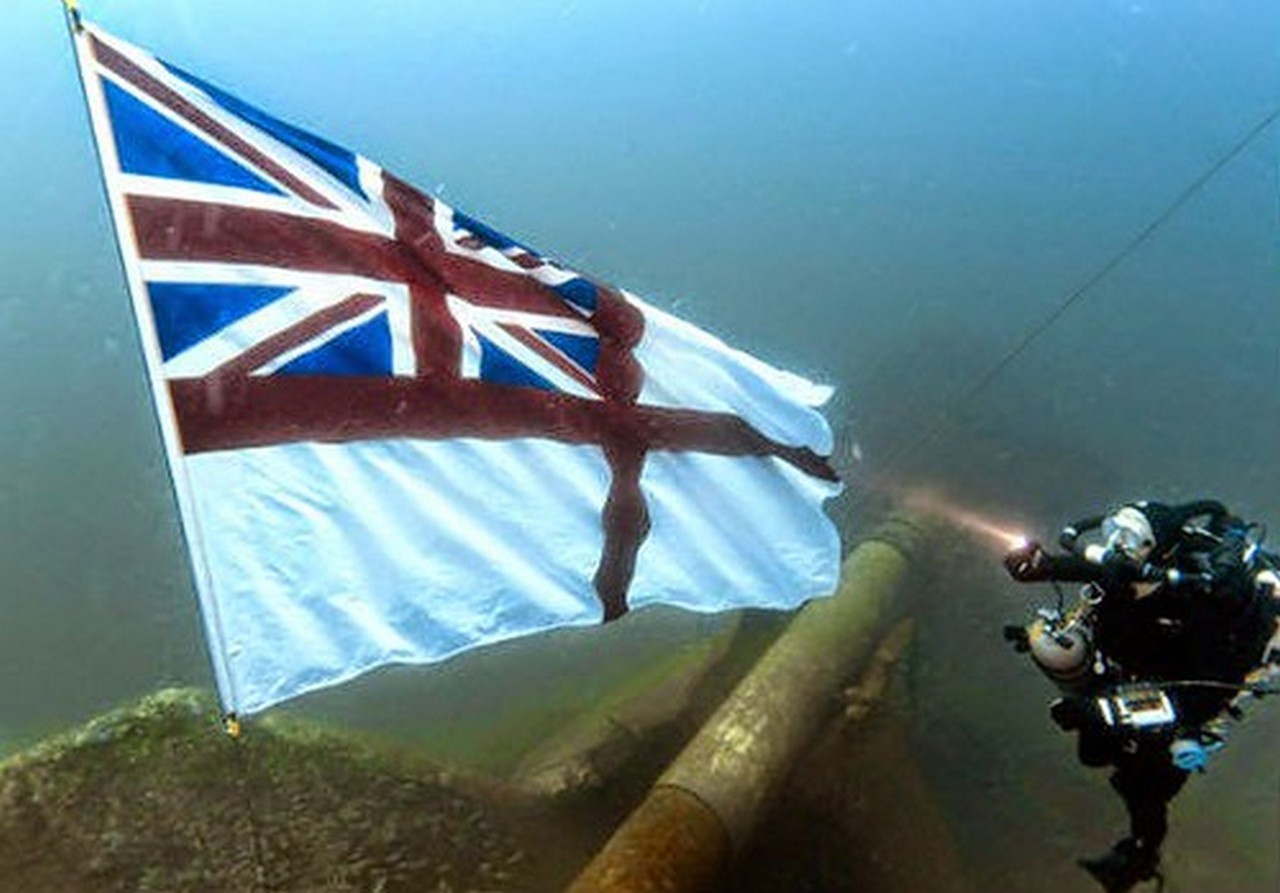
x=707 y=803
x=672 y=843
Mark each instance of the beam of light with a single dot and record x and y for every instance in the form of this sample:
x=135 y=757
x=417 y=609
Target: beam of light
x=932 y=503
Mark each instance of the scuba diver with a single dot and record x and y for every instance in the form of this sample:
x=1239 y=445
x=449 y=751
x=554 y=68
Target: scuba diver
x=1176 y=630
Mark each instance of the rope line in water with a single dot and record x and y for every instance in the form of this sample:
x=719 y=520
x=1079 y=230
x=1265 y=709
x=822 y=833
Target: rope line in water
x=985 y=379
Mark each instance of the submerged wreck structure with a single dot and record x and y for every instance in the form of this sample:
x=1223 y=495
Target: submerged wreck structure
x=151 y=797
x=708 y=802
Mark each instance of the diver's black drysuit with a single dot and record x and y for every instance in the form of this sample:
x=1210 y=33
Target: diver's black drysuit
x=1205 y=622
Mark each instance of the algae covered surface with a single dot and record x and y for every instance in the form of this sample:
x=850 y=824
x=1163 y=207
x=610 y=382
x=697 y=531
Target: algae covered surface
x=154 y=797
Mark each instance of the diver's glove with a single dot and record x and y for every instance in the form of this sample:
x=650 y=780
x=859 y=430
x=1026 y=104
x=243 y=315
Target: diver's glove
x=1192 y=754
x=1026 y=562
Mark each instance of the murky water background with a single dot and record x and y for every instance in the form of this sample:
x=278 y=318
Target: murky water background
x=887 y=196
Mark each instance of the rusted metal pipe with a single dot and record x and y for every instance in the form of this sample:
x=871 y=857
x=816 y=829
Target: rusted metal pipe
x=706 y=804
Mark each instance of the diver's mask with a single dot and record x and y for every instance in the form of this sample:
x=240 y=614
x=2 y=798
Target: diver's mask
x=1127 y=532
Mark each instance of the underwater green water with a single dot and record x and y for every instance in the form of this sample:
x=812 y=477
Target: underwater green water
x=890 y=197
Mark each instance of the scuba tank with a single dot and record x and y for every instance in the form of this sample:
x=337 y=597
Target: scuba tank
x=1061 y=646
x=1061 y=641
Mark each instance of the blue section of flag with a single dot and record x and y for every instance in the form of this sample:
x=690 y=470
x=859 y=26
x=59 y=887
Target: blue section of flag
x=499 y=367
x=582 y=349
x=339 y=162
x=578 y=292
x=363 y=350
x=188 y=313
x=488 y=233
x=150 y=144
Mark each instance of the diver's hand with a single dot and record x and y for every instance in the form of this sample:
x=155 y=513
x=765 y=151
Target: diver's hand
x=1026 y=562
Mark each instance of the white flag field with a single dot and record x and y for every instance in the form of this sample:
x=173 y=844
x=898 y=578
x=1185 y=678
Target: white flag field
x=396 y=434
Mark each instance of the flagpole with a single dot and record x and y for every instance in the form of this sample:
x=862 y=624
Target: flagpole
x=166 y=421
x=72 y=9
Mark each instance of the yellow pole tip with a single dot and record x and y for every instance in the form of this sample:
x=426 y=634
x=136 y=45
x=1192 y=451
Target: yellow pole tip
x=72 y=9
x=231 y=725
